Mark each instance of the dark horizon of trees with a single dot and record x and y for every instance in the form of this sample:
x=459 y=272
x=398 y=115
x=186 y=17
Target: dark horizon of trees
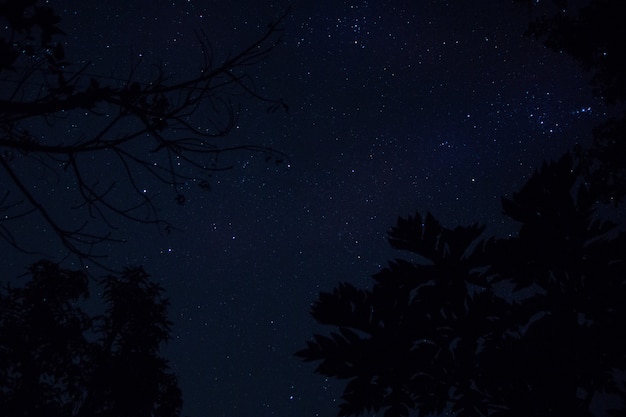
x=525 y=326
x=132 y=133
x=59 y=358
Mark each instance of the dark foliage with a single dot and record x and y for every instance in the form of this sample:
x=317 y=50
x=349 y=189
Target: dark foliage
x=523 y=326
x=107 y=138
x=58 y=360
x=593 y=33
x=519 y=327
x=604 y=164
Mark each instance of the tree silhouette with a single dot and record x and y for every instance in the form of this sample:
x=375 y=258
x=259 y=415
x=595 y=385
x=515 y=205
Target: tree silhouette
x=58 y=360
x=523 y=326
x=106 y=138
x=593 y=34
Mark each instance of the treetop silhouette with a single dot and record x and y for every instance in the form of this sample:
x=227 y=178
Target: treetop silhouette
x=519 y=326
x=58 y=360
x=593 y=34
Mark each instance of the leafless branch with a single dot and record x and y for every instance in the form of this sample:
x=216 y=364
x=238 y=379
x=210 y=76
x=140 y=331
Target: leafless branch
x=158 y=129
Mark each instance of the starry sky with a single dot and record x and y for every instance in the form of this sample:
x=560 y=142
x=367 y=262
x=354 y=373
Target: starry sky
x=394 y=106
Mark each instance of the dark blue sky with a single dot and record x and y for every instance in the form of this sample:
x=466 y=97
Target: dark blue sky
x=395 y=106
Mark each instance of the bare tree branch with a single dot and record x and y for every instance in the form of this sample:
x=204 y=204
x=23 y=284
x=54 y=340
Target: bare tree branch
x=140 y=131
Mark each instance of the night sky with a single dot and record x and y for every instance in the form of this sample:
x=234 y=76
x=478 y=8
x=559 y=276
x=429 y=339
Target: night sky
x=395 y=106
